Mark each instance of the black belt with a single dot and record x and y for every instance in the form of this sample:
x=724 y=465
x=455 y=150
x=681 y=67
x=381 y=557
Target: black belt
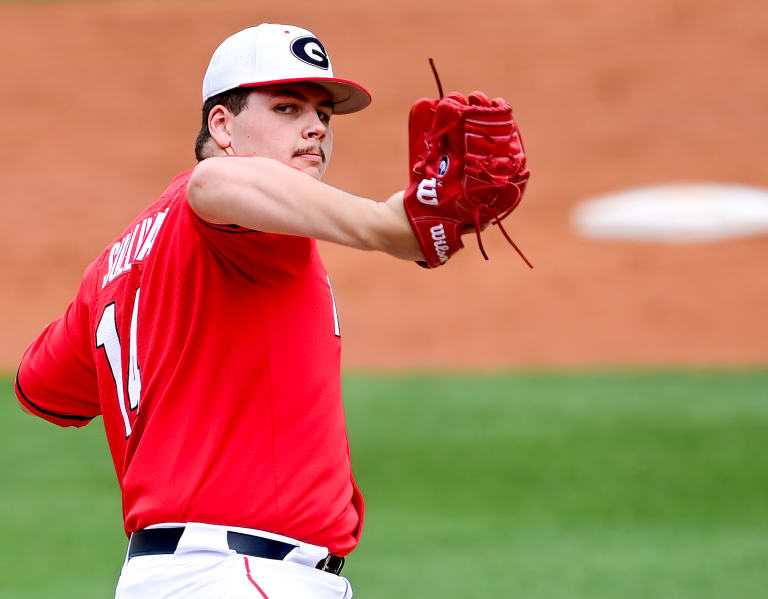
x=159 y=541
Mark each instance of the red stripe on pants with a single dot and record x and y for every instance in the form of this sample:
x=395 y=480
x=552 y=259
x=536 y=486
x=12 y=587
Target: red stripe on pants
x=253 y=582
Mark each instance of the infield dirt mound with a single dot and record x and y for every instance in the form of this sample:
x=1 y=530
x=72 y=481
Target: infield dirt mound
x=101 y=106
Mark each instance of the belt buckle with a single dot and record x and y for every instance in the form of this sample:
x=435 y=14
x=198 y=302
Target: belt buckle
x=331 y=563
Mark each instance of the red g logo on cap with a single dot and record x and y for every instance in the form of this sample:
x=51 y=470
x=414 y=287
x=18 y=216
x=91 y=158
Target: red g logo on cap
x=309 y=49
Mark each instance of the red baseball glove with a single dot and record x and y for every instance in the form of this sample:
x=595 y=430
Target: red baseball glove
x=468 y=169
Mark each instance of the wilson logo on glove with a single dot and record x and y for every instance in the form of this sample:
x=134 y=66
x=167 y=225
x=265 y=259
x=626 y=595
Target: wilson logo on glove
x=427 y=193
x=438 y=236
x=470 y=148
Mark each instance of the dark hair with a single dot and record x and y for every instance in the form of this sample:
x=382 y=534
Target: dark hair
x=233 y=100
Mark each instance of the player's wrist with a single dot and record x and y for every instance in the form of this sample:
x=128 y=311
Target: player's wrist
x=393 y=232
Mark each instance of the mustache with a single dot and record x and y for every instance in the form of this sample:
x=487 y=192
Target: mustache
x=311 y=150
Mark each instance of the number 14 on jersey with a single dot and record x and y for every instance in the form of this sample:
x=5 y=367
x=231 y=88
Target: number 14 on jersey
x=108 y=338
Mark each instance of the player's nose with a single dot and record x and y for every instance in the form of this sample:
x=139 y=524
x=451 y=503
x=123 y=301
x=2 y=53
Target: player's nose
x=315 y=127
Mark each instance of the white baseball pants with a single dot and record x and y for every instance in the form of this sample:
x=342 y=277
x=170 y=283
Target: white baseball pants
x=204 y=567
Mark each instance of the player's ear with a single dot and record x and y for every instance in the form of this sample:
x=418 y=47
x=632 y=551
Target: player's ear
x=220 y=126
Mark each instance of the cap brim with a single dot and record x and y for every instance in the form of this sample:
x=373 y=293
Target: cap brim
x=347 y=96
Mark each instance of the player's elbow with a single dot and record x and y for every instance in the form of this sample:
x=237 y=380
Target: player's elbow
x=203 y=191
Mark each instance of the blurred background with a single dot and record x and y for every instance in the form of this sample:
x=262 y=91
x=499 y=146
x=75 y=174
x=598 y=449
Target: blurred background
x=608 y=435
x=102 y=105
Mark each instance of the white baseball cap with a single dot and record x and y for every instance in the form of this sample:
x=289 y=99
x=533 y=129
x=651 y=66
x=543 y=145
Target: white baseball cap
x=271 y=54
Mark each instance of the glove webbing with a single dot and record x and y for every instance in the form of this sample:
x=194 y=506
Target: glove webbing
x=478 y=207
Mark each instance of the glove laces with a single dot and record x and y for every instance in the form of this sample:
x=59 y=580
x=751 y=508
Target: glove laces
x=497 y=182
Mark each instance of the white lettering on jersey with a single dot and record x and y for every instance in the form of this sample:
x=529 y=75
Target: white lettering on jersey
x=145 y=249
x=336 y=329
x=127 y=260
x=134 y=375
x=135 y=246
x=108 y=337
x=144 y=227
x=121 y=255
x=112 y=259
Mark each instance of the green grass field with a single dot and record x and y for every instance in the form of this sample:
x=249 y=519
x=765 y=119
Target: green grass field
x=594 y=485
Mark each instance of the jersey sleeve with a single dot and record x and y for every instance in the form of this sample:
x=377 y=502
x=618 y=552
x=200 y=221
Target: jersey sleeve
x=57 y=377
x=256 y=254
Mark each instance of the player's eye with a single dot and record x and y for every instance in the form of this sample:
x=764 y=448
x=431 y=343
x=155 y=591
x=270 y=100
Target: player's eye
x=324 y=117
x=286 y=108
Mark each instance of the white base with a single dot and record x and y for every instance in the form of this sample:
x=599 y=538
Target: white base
x=682 y=212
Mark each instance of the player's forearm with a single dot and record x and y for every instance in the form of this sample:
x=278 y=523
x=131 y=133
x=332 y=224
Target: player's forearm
x=263 y=194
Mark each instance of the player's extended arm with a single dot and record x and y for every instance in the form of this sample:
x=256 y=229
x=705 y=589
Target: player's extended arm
x=266 y=195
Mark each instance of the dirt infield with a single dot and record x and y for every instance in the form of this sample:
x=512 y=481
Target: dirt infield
x=101 y=106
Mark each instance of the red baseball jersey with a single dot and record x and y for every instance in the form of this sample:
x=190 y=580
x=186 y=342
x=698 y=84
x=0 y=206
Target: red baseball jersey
x=213 y=354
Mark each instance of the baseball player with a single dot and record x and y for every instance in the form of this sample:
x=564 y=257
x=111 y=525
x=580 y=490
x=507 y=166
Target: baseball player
x=207 y=337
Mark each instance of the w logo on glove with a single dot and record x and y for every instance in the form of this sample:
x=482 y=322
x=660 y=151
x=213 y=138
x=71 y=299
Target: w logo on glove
x=427 y=192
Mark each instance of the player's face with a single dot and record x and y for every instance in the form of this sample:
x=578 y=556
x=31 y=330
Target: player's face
x=288 y=123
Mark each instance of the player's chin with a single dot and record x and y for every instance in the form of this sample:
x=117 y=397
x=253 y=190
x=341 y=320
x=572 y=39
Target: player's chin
x=312 y=168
